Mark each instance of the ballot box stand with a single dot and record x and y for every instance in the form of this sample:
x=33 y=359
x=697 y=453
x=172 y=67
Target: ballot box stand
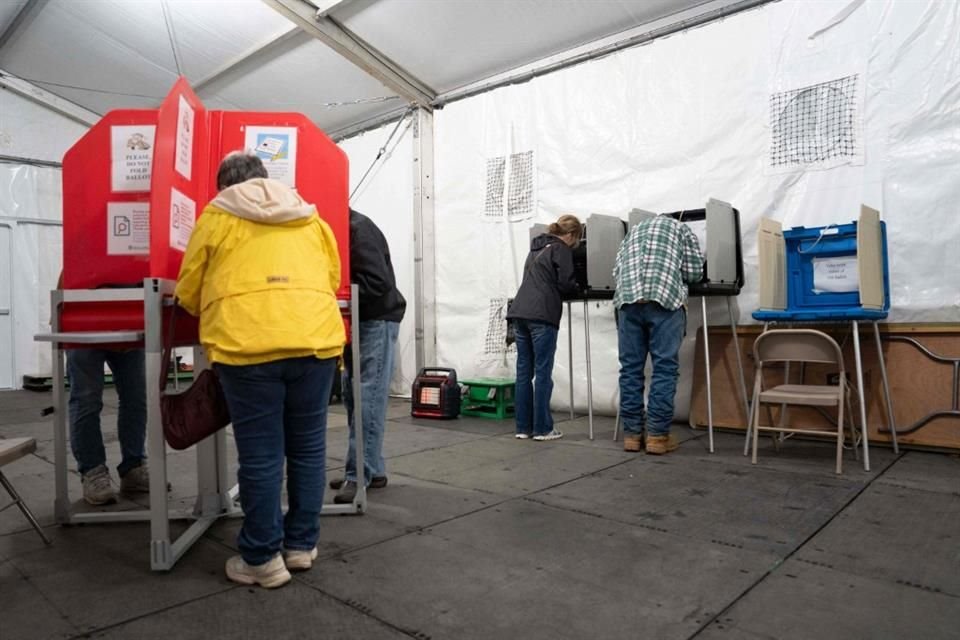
x=829 y=274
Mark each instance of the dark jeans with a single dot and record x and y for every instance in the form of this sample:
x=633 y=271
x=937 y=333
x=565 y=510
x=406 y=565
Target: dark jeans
x=85 y=369
x=377 y=341
x=648 y=328
x=279 y=410
x=536 y=347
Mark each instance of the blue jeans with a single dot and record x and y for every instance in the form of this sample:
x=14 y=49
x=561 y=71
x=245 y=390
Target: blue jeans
x=377 y=341
x=279 y=409
x=536 y=346
x=649 y=328
x=85 y=368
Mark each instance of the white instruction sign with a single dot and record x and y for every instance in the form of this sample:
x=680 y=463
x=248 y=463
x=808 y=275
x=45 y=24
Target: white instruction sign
x=128 y=228
x=835 y=275
x=184 y=150
x=131 y=157
x=277 y=148
x=183 y=212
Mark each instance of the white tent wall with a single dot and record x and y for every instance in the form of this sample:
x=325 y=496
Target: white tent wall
x=668 y=125
x=30 y=231
x=386 y=197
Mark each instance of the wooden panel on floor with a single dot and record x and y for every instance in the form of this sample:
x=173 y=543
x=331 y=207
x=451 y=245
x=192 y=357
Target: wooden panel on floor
x=919 y=385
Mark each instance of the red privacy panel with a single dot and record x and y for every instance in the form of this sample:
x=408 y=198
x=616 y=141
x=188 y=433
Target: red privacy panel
x=106 y=200
x=296 y=152
x=135 y=182
x=179 y=184
x=99 y=251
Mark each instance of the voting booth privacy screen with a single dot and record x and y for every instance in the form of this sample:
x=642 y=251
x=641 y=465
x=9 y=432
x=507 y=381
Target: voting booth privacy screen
x=134 y=185
x=834 y=272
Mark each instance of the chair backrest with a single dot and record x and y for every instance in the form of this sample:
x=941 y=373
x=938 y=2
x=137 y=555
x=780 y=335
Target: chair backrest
x=797 y=345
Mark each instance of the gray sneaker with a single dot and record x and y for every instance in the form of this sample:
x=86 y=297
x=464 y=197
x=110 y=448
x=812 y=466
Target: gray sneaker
x=137 y=480
x=97 y=488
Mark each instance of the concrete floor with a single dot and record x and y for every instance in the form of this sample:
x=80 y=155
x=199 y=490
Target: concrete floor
x=479 y=535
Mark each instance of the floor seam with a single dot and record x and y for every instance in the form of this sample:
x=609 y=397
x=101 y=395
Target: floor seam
x=769 y=572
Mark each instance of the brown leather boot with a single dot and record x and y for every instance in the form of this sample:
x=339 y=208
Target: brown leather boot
x=633 y=443
x=659 y=445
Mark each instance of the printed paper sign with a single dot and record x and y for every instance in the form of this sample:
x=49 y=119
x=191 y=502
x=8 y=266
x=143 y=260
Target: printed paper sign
x=128 y=228
x=184 y=152
x=277 y=148
x=183 y=212
x=835 y=275
x=131 y=154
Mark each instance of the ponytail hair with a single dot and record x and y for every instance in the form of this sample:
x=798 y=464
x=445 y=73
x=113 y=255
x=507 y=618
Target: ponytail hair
x=567 y=224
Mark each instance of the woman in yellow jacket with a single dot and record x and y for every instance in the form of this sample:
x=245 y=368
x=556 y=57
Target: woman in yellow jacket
x=262 y=270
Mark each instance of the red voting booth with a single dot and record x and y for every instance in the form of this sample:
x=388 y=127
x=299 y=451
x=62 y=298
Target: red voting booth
x=135 y=183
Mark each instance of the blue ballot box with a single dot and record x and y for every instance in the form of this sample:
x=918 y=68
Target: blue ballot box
x=836 y=272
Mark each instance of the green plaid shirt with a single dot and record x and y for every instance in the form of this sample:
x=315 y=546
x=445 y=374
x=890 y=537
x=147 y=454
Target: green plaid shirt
x=655 y=262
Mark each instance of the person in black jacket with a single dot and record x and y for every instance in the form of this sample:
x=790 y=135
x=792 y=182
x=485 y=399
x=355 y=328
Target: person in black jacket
x=381 y=309
x=548 y=279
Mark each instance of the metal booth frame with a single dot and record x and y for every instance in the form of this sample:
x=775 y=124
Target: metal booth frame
x=216 y=498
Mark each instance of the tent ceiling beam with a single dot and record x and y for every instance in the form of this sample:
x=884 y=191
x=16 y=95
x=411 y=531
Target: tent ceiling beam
x=53 y=102
x=245 y=59
x=326 y=7
x=679 y=21
x=374 y=122
x=354 y=49
x=23 y=18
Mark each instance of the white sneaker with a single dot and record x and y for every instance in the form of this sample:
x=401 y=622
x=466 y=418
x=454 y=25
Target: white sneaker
x=97 y=488
x=521 y=436
x=270 y=574
x=553 y=435
x=299 y=559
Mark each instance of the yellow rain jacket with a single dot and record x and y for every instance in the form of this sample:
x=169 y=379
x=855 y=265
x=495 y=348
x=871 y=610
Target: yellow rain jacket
x=262 y=270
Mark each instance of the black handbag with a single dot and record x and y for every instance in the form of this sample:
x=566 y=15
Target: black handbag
x=196 y=413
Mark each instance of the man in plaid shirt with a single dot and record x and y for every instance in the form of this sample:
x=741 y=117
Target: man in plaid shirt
x=655 y=263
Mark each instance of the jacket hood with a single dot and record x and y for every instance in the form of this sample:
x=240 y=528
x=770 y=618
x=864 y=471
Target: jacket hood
x=264 y=200
x=543 y=240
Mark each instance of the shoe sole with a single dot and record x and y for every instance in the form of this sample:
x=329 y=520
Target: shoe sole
x=270 y=582
x=377 y=483
x=301 y=562
x=100 y=503
x=659 y=451
x=521 y=436
x=546 y=438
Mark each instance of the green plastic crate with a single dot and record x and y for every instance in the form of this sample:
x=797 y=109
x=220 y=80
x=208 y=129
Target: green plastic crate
x=488 y=398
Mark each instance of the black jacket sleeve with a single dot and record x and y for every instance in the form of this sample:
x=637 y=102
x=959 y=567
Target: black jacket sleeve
x=372 y=271
x=563 y=265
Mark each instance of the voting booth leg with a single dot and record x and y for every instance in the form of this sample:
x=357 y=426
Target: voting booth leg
x=213 y=484
x=863 y=405
x=359 y=504
x=742 y=379
x=886 y=389
x=586 y=327
x=61 y=505
x=706 y=362
x=570 y=354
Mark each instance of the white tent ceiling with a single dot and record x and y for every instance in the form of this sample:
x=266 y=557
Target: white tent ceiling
x=243 y=54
